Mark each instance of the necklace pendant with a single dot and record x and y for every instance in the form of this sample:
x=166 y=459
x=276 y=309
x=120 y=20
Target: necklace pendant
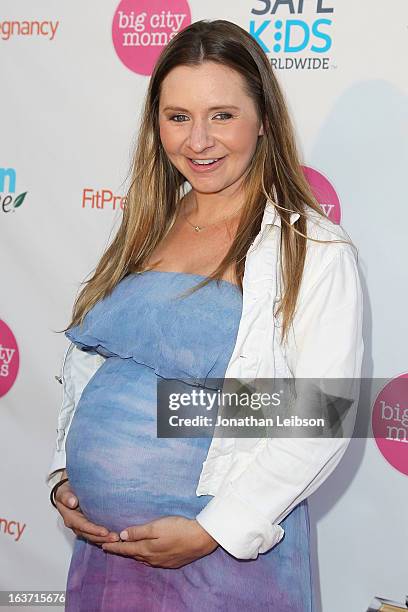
x=197 y=228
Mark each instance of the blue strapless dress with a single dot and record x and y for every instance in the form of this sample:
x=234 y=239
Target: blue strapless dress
x=124 y=475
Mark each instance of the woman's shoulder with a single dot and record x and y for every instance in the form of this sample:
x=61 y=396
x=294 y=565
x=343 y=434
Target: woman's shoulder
x=322 y=235
x=321 y=227
x=323 y=253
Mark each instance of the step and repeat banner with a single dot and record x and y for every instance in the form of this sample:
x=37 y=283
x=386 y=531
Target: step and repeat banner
x=74 y=75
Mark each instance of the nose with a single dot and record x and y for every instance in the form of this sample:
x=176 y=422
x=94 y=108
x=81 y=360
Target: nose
x=200 y=136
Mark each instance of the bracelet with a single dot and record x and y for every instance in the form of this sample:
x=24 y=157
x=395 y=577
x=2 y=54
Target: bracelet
x=54 y=490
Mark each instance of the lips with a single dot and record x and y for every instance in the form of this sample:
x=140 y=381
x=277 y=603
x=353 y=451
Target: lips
x=204 y=168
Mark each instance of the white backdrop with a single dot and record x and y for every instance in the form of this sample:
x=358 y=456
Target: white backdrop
x=70 y=109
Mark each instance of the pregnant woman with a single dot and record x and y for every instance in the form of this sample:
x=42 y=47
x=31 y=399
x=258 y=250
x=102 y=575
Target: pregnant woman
x=188 y=291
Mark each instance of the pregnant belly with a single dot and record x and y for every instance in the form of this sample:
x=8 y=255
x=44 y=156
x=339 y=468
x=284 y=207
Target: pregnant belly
x=121 y=472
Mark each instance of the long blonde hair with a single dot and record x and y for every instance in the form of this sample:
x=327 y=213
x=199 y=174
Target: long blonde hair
x=275 y=173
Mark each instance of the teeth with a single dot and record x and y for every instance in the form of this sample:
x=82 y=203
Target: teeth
x=204 y=162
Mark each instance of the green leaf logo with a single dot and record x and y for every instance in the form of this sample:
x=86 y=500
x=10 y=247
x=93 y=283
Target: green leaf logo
x=19 y=199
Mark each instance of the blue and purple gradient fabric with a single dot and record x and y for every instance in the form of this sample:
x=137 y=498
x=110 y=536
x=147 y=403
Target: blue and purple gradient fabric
x=124 y=475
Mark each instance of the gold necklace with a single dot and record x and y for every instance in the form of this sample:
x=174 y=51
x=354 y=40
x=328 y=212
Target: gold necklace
x=198 y=228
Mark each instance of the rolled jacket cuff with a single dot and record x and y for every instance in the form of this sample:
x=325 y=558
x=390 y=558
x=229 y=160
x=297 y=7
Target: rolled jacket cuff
x=237 y=527
x=58 y=463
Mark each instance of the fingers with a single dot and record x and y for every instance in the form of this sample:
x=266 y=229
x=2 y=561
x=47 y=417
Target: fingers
x=109 y=539
x=66 y=496
x=68 y=507
x=81 y=526
x=74 y=519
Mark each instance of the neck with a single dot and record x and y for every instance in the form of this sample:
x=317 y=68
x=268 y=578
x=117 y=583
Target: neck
x=207 y=208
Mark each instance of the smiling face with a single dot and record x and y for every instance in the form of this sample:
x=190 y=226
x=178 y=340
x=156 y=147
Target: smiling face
x=205 y=114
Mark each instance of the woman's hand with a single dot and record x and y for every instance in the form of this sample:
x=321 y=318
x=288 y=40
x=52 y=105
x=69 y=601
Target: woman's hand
x=169 y=542
x=68 y=506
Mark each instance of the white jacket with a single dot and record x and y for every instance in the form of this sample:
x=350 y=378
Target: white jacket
x=257 y=482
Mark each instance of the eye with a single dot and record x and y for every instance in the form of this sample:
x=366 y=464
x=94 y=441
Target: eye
x=173 y=118
x=227 y=115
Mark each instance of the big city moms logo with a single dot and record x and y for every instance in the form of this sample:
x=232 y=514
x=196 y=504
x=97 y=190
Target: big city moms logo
x=297 y=37
x=9 y=358
x=390 y=422
x=8 y=200
x=324 y=193
x=141 y=28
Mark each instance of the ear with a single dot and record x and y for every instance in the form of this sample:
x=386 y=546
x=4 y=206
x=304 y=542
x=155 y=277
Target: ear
x=261 y=130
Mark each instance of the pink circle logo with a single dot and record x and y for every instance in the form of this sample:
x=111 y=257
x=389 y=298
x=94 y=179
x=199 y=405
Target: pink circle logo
x=390 y=422
x=9 y=358
x=324 y=193
x=142 y=28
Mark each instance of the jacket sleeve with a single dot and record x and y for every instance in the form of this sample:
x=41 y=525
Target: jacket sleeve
x=78 y=367
x=244 y=516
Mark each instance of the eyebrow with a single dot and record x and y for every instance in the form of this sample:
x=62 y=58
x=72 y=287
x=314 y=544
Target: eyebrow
x=212 y=108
